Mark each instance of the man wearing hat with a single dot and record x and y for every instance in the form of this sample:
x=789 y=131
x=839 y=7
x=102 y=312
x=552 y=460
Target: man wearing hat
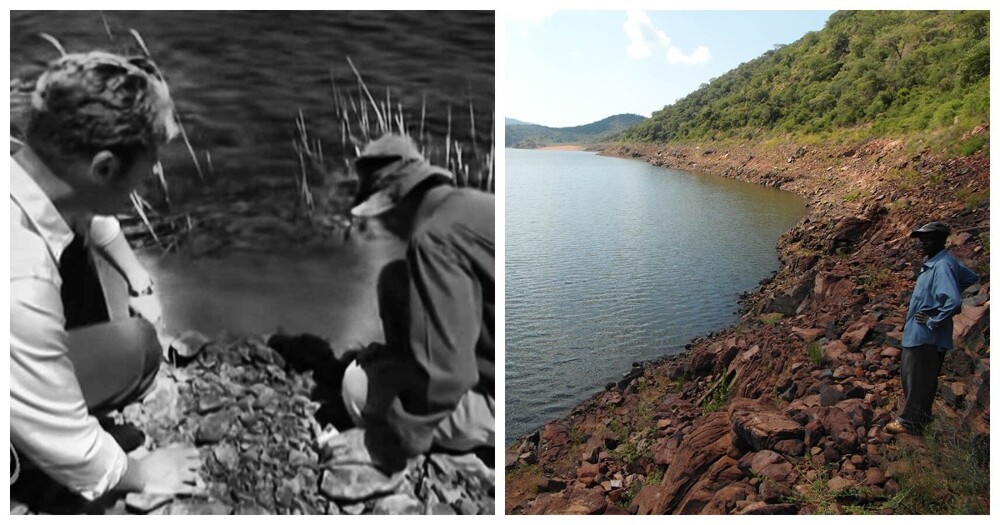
x=927 y=335
x=433 y=382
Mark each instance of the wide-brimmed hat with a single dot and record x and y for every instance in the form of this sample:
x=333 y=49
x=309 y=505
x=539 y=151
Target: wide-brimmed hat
x=389 y=168
x=932 y=227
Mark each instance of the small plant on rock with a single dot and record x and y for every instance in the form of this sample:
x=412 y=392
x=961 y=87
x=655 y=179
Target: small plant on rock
x=814 y=351
x=771 y=318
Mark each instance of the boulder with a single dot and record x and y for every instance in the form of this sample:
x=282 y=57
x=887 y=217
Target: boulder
x=769 y=464
x=646 y=500
x=761 y=426
x=725 y=499
x=702 y=447
x=573 y=501
x=355 y=482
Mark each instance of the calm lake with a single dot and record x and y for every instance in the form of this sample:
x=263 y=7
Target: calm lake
x=611 y=261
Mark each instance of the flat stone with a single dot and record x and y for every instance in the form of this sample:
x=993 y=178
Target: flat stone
x=145 y=502
x=226 y=455
x=838 y=484
x=357 y=482
x=442 y=509
x=189 y=344
x=761 y=426
x=212 y=402
x=398 y=504
x=213 y=428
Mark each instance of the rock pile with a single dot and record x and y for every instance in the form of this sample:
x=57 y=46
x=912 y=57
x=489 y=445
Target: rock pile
x=254 y=420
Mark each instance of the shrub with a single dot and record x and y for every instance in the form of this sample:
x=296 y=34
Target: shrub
x=814 y=351
x=771 y=318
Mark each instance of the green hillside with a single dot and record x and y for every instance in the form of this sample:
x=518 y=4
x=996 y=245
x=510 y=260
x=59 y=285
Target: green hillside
x=884 y=72
x=523 y=135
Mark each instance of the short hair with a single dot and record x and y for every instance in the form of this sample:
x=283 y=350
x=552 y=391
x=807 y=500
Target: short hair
x=88 y=102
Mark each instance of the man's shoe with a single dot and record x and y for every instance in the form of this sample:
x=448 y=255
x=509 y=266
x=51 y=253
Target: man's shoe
x=895 y=427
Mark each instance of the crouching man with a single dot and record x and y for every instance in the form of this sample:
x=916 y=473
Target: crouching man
x=432 y=384
x=94 y=127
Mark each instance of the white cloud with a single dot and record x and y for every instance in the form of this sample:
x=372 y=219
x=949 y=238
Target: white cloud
x=643 y=37
x=676 y=56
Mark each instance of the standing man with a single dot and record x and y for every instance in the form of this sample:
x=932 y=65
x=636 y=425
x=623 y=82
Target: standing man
x=927 y=335
x=94 y=128
x=432 y=384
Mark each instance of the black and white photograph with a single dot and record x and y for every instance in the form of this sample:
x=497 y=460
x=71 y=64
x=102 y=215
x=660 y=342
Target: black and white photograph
x=252 y=262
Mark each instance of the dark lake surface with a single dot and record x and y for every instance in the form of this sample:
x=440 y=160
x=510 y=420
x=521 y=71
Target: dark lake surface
x=611 y=261
x=239 y=78
x=331 y=295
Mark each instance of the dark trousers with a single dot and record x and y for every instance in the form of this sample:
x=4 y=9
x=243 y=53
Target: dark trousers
x=919 y=372
x=115 y=361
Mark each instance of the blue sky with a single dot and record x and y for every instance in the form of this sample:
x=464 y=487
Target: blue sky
x=570 y=68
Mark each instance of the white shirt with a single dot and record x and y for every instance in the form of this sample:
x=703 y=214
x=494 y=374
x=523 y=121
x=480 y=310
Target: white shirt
x=49 y=421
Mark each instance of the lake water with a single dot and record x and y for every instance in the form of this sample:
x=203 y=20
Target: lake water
x=611 y=261
x=331 y=295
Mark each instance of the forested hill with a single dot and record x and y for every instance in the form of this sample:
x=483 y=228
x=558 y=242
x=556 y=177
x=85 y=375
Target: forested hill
x=890 y=72
x=523 y=135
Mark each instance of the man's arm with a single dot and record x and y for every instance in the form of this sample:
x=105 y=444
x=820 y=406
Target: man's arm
x=445 y=319
x=49 y=421
x=944 y=288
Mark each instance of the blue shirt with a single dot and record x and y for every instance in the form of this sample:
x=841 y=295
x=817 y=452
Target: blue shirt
x=938 y=293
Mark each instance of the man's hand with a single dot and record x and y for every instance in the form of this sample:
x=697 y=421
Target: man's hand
x=922 y=317
x=148 y=307
x=170 y=470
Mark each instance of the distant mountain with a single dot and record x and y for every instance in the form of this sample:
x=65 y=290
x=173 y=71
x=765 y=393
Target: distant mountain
x=523 y=135
x=514 y=122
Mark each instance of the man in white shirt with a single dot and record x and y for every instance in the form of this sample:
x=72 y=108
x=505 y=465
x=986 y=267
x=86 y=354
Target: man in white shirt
x=96 y=122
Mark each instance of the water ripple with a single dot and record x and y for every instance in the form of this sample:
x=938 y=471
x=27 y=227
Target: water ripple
x=611 y=261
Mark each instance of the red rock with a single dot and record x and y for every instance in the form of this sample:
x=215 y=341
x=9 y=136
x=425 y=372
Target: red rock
x=790 y=447
x=834 y=351
x=890 y=352
x=771 y=465
x=725 y=499
x=857 y=333
x=808 y=334
x=761 y=426
x=708 y=441
x=762 y=508
x=666 y=449
x=646 y=500
x=875 y=476
x=773 y=492
x=968 y=318
x=573 y=501
x=547 y=484
x=838 y=484
x=588 y=473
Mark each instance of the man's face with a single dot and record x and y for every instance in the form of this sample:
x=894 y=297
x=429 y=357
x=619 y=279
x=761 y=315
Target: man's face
x=930 y=243
x=112 y=191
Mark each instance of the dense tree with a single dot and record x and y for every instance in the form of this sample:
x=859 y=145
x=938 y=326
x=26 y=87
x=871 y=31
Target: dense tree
x=897 y=71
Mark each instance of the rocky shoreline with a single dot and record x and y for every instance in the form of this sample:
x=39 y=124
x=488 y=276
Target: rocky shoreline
x=257 y=414
x=783 y=413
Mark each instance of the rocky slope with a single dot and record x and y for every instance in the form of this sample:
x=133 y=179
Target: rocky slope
x=784 y=412
x=258 y=417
